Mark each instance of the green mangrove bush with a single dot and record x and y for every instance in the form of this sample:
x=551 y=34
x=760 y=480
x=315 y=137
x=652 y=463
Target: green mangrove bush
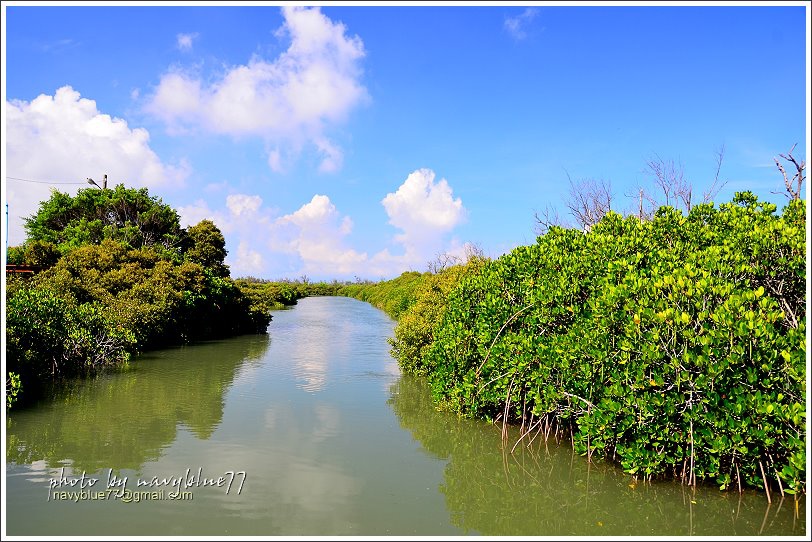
x=118 y=275
x=391 y=296
x=674 y=346
x=414 y=333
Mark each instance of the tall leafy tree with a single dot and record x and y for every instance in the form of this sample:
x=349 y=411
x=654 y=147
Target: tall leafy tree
x=206 y=246
x=128 y=215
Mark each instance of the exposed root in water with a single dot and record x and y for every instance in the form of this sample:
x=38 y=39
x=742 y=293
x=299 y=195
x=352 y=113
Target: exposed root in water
x=529 y=430
x=738 y=478
x=507 y=411
x=524 y=412
x=692 y=476
x=529 y=474
x=780 y=485
x=738 y=507
x=766 y=512
x=766 y=489
x=777 y=477
x=523 y=435
x=538 y=432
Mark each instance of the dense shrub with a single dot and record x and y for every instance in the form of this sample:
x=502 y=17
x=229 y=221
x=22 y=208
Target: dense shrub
x=204 y=244
x=48 y=337
x=391 y=296
x=415 y=330
x=118 y=276
x=674 y=346
x=268 y=295
x=128 y=215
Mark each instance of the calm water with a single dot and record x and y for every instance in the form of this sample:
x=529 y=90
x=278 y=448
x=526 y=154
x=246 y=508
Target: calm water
x=332 y=441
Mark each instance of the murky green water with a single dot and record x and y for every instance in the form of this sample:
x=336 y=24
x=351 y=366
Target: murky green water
x=332 y=441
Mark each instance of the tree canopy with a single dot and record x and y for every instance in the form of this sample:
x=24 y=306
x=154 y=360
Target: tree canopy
x=128 y=215
x=207 y=247
x=118 y=275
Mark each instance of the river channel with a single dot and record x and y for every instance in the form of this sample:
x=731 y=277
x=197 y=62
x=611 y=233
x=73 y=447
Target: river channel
x=312 y=430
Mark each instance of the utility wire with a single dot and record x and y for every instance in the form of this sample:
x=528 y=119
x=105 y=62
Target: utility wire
x=39 y=182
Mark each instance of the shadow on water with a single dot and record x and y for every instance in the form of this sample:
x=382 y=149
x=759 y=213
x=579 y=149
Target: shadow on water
x=121 y=419
x=546 y=489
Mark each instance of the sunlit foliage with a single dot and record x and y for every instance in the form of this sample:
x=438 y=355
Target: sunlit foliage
x=673 y=346
x=117 y=275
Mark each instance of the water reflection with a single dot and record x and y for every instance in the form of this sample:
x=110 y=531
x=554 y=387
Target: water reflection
x=547 y=490
x=309 y=340
x=121 y=420
x=326 y=337
x=330 y=459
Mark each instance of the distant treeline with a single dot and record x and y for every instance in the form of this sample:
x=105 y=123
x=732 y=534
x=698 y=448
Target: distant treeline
x=392 y=296
x=673 y=346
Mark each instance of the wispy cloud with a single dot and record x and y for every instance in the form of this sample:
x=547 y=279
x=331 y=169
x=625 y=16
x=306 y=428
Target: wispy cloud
x=58 y=45
x=185 y=41
x=517 y=26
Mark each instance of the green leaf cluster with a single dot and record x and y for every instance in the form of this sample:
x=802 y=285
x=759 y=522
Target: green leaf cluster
x=414 y=333
x=119 y=275
x=128 y=215
x=674 y=346
x=47 y=336
x=391 y=296
x=271 y=295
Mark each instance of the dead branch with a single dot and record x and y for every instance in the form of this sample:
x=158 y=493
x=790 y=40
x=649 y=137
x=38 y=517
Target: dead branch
x=793 y=186
x=547 y=219
x=714 y=189
x=589 y=201
x=669 y=177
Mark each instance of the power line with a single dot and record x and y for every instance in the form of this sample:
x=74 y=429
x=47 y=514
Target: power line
x=39 y=182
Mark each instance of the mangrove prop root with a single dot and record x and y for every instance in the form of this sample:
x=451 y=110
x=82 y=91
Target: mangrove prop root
x=738 y=478
x=780 y=485
x=764 y=477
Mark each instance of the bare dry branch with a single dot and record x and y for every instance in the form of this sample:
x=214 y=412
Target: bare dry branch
x=669 y=177
x=443 y=261
x=589 y=201
x=714 y=189
x=793 y=186
x=546 y=220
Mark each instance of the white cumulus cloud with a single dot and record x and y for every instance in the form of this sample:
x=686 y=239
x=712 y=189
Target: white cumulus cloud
x=426 y=212
x=315 y=239
x=242 y=204
x=193 y=213
x=315 y=232
x=289 y=101
x=65 y=138
x=423 y=210
x=247 y=261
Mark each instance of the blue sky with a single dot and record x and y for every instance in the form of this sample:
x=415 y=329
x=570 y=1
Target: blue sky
x=364 y=140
